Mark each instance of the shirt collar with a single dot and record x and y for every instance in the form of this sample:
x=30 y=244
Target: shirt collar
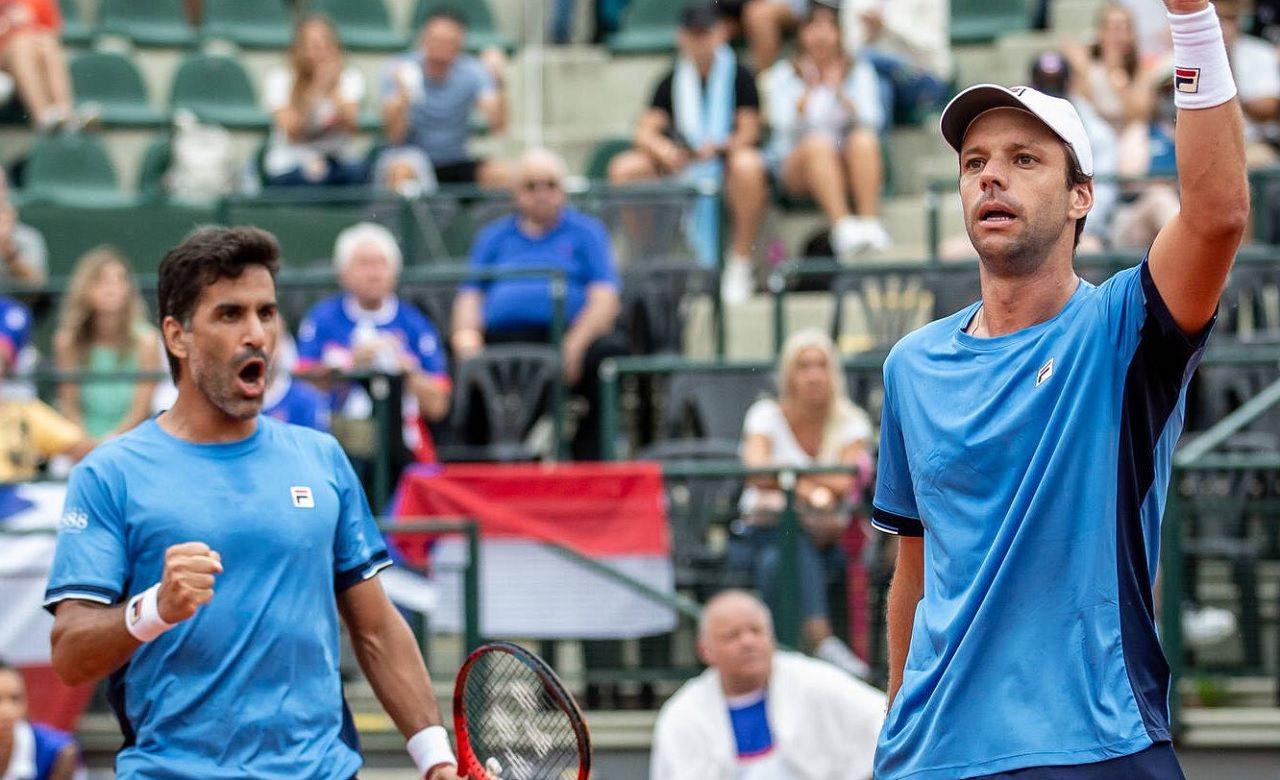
x=22 y=764
x=383 y=315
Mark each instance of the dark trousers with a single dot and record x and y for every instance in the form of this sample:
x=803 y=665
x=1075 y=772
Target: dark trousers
x=586 y=440
x=1157 y=762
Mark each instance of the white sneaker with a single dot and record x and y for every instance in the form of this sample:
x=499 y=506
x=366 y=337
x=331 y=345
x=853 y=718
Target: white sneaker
x=877 y=237
x=849 y=237
x=1203 y=626
x=736 y=281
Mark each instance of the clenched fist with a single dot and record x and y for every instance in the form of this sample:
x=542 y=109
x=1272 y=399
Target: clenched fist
x=189 y=570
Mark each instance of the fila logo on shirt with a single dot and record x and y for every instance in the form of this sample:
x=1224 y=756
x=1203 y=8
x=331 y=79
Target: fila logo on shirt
x=1044 y=373
x=1186 y=80
x=302 y=498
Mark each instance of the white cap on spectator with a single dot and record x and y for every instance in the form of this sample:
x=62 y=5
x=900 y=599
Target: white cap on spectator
x=1058 y=114
x=352 y=238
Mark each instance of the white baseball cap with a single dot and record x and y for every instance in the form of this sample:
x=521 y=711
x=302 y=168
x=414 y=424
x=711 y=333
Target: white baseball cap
x=1058 y=114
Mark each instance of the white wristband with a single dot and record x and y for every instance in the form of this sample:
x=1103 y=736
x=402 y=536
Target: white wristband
x=1201 y=71
x=142 y=615
x=430 y=748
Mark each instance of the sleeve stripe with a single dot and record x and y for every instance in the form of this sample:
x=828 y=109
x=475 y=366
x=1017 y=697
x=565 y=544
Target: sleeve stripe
x=893 y=523
x=81 y=593
x=357 y=574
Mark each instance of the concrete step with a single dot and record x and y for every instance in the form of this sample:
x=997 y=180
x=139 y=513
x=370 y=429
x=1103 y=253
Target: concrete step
x=1074 y=19
x=1232 y=727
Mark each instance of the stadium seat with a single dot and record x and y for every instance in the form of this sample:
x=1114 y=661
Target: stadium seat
x=142 y=231
x=648 y=27
x=73 y=169
x=113 y=82
x=978 y=21
x=155 y=162
x=597 y=168
x=654 y=294
x=259 y=24
x=482 y=31
x=498 y=395
x=712 y=404
x=363 y=25
x=147 y=22
x=217 y=89
x=74 y=30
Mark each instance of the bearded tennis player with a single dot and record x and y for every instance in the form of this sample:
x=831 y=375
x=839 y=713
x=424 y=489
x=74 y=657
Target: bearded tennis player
x=211 y=551
x=1022 y=640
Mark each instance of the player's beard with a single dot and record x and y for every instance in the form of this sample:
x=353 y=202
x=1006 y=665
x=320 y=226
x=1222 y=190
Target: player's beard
x=217 y=382
x=1022 y=254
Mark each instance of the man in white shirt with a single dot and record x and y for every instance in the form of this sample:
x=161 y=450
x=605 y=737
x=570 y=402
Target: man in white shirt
x=761 y=714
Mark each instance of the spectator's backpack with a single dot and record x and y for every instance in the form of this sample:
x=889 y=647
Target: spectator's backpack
x=202 y=166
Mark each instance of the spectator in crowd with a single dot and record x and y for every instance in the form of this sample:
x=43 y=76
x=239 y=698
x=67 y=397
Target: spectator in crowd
x=825 y=114
x=703 y=126
x=758 y=713
x=812 y=423
x=1255 y=66
x=23 y=257
x=30 y=431
x=428 y=98
x=30 y=751
x=103 y=327
x=1111 y=80
x=908 y=42
x=297 y=403
x=314 y=102
x=367 y=327
x=31 y=53
x=545 y=233
x=764 y=23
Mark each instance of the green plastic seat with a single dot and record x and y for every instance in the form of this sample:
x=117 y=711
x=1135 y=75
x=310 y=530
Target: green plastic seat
x=72 y=169
x=363 y=25
x=147 y=22
x=217 y=89
x=598 y=163
x=978 y=21
x=254 y=24
x=113 y=82
x=648 y=27
x=142 y=231
x=74 y=29
x=482 y=31
x=155 y=162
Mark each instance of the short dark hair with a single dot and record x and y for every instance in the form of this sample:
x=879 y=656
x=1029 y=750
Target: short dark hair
x=1075 y=176
x=205 y=256
x=452 y=14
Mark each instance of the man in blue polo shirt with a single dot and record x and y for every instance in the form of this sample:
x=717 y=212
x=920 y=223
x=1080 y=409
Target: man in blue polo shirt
x=204 y=559
x=1026 y=445
x=545 y=233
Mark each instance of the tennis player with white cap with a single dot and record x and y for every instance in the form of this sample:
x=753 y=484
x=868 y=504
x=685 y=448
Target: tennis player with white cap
x=1026 y=443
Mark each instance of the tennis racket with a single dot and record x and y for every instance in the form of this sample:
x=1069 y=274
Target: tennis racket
x=514 y=720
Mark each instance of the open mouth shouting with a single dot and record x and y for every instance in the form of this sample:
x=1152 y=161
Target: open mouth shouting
x=251 y=379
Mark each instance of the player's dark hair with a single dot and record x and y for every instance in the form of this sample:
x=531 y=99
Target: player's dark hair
x=452 y=14
x=203 y=258
x=1075 y=177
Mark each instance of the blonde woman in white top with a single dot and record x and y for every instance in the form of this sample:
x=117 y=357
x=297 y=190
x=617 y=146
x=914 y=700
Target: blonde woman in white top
x=812 y=422
x=314 y=103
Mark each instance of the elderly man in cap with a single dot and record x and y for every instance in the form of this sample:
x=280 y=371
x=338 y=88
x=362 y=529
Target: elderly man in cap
x=1026 y=446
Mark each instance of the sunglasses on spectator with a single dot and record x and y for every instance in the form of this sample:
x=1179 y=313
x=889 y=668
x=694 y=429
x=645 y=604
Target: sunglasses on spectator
x=533 y=185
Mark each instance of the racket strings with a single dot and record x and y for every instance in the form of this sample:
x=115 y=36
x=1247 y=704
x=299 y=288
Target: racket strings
x=514 y=719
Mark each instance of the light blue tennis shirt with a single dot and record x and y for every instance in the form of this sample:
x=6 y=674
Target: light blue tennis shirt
x=1035 y=464
x=249 y=686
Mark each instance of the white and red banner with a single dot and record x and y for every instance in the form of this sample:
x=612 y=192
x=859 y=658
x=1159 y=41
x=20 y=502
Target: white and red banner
x=613 y=513
x=25 y=559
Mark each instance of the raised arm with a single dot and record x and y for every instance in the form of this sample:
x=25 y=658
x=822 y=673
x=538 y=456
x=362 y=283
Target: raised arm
x=1192 y=256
